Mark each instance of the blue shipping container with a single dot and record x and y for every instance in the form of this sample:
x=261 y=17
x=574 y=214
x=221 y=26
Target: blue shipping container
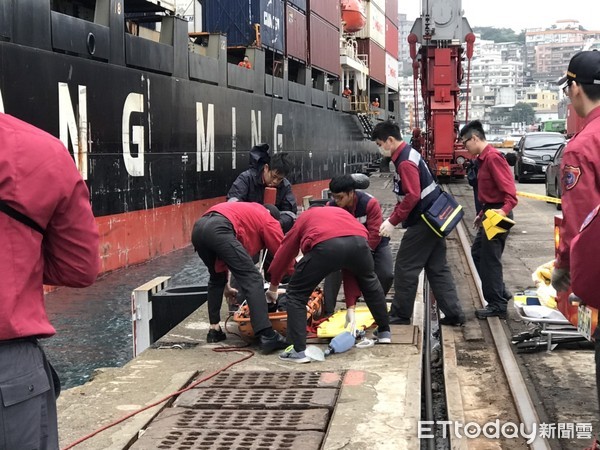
x=236 y=19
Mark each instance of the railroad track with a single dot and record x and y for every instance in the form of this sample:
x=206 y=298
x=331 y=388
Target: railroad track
x=477 y=381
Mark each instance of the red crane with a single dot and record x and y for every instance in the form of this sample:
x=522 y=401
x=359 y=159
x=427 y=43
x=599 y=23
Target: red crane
x=441 y=32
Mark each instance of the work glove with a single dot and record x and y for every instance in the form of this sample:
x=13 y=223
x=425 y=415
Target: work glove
x=351 y=320
x=386 y=228
x=561 y=279
x=271 y=296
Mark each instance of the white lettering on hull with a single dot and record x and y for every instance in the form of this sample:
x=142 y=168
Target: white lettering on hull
x=233 y=138
x=133 y=135
x=256 y=127
x=75 y=130
x=277 y=137
x=205 y=138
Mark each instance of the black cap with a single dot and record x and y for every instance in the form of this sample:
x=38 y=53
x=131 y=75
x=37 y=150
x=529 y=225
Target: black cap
x=584 y=68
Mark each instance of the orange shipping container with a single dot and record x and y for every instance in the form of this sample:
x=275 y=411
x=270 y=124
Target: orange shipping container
x=324 y=45
x=327 y=9
x=296 y=40
x=376 y=58
x=391 y=38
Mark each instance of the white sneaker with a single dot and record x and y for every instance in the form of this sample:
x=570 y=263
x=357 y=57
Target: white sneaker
x=291 y=355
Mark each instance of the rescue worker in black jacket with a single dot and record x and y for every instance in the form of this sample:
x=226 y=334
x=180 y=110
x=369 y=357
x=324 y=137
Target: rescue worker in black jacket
x=420 y=248
x=267 y=171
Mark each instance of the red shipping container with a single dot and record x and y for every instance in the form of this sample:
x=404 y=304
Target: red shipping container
x=324 y=45
x=391 y=11
x=296 y=39
x=391 y=38
x=328 y=10
x=376 y=58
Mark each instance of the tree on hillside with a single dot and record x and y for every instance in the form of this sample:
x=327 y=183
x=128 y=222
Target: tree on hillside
x=499 y=34
x=522 y=112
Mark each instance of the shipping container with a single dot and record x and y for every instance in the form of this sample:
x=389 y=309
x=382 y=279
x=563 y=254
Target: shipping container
x=391 y=38
x=381 y=4
x=329 y=10
x=296 y=38
x=300 y=4
x=324 y=45
x=237 y=19
x=391 y=11
x=391 y=71
x=375 y=27
x=375 y=58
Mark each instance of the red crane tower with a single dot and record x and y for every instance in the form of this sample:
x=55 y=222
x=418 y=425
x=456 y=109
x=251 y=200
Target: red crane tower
x=441 y=32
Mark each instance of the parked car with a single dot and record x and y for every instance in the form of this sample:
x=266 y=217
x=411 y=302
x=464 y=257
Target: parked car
x=534 y=151
x=553 y=188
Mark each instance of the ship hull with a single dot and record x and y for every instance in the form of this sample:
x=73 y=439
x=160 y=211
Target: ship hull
x=157 y=150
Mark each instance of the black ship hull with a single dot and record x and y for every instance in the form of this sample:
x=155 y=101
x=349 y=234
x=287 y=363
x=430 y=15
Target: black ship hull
x=158 y=149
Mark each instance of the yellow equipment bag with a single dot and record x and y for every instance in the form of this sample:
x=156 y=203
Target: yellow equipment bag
x=495 y=223
x=335 y=324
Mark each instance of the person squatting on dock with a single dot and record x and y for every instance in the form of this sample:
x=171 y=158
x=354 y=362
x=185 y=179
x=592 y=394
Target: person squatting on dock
x=225 y=238
x=496 y=190
x=48 y=235
x=266 y=171
x=367 y=211
x=330 y=239
x=580 y=183
x=420 y=248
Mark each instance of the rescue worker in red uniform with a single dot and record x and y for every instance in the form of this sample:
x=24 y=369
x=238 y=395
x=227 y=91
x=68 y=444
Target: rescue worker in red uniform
x=580 y=166
x=420 y=248
x=580 y=175
x=48 y=235
x=495 y=190
x=330 y=239
x=225 y=238
x=367 y=211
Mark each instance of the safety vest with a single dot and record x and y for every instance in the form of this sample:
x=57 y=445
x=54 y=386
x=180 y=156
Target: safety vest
x=360 y=212
x=430 y=190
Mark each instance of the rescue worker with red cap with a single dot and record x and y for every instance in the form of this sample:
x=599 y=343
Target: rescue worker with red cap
x=580 y=166
x=580 y=178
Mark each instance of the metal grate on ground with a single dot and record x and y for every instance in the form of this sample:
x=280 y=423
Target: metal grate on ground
x=274 y=420
x=248 y=411
x=276 y=380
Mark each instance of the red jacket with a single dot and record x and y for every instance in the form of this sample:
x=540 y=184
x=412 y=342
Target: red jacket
x=254 y=227
x=314 y=226
x=495 y=180
x=580 y=182
x=408 y=172
x=585 y=270
x=38 y=178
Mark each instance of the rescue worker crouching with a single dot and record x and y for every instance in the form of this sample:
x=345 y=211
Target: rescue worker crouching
x=420 y=248
x=367 y=211
x=330 y=239
x=225 y=237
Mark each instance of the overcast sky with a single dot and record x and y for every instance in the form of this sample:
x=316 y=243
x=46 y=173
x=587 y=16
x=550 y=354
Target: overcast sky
x=519 y=14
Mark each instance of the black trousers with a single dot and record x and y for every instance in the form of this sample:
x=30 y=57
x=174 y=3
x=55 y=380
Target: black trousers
x=422 y=249
x=349 y=253
x=214 y=238
x=384 y=269
x=596 y=337
x=27 y=397
x=487 y=256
